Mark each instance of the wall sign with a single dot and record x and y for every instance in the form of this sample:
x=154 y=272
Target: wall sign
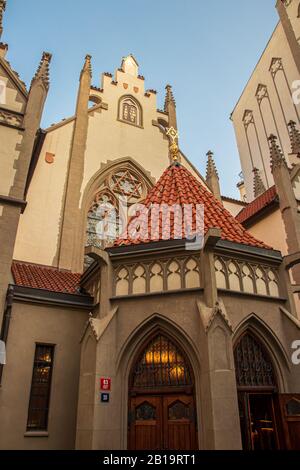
x=104 y=397
x=105 y=383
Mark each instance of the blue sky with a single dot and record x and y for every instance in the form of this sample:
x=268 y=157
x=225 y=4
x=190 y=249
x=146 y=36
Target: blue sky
x=205 y=49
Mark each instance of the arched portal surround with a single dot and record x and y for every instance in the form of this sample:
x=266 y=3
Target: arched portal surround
x=133 y=350
x=256 y=327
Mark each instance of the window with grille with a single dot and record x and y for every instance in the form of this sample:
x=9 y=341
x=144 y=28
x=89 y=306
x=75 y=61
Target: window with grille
x=130 y=113
x=161 y=364
x=253 y=365
x=40 y=388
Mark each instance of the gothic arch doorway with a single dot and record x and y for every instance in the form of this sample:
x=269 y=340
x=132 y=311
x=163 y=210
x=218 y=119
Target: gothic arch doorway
x=162 y=413
x=257 y=394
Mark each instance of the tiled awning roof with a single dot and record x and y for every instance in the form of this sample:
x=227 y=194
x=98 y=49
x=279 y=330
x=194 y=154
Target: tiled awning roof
x=47 y=278
x=257 y=205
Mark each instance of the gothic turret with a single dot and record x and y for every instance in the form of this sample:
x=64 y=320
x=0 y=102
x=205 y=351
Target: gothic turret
x=212 y=177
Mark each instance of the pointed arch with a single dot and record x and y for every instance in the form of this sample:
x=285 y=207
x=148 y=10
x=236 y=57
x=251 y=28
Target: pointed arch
x=146 y=329
x=269 y=341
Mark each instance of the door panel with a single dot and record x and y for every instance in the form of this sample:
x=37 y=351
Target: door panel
x=145 y=423
x=179 y=423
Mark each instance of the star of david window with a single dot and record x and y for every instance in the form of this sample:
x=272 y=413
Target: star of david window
x=125 y=183
x=130 y=111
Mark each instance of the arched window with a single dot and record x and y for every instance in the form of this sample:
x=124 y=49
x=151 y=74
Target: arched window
x=130 y=111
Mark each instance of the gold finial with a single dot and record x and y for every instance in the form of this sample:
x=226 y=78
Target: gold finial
x=174 y=149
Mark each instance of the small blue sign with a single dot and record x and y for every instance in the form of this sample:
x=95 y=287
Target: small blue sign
x=104 y=397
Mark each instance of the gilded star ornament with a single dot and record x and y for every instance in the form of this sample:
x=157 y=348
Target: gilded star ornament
x=172 y=133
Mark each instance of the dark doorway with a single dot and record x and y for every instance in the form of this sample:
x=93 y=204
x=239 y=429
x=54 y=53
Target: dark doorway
x=162 y=413
x=258 y=422
x=257 y=395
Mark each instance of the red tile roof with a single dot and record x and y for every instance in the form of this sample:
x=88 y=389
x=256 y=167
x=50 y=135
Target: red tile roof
x=178 y=186
x=257 y=205
x=40 y=277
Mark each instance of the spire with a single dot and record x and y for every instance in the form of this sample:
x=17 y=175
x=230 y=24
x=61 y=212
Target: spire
x=211 y=169
x=87 y=67
x=169 y=98
x=42 y=72
x=294 y=138
x=277 y=158
x=2 y=10
x=212 y=177
x=259 y=187
x=170 y=107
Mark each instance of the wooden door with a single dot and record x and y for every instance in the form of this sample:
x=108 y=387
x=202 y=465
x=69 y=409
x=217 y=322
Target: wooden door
x=179 y=430
x=163 y=422
x=290 y=416
x=145 y=423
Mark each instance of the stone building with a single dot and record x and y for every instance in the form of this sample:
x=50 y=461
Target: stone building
x=136 y=342
x=270 y=104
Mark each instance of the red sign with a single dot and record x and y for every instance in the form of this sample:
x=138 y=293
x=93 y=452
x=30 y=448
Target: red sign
x=105 y=383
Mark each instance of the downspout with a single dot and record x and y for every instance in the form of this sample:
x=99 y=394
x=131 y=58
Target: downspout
x=6 y=321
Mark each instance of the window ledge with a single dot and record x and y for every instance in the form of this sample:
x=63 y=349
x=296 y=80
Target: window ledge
x=36 y=434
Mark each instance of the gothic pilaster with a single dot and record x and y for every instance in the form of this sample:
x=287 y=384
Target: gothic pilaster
x=67 y=258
